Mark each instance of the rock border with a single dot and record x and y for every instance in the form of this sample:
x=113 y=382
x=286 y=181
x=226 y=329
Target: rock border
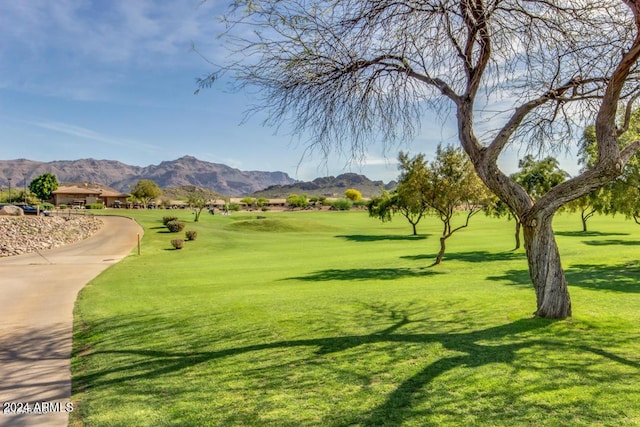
x=26 y=234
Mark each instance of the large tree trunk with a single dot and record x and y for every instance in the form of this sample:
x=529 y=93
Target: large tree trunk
x=549 y=282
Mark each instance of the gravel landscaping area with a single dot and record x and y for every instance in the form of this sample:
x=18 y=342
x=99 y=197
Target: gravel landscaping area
x=19 y=235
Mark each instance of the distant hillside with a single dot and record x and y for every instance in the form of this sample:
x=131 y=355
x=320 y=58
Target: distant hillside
x=183 y=192
x=185 y=171
x=328 y=186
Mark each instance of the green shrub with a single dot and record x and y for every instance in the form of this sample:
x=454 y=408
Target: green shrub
x=235 y=207
x=342 y=204
x=177 y=243
x=191 y=234
x=94 y=206
x=175 y=226
x=63 y=206
x=297 y=201
x=167 y=219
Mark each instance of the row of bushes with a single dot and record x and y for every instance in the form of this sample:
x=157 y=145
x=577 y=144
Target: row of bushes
x=179 y=243
x=175 y=226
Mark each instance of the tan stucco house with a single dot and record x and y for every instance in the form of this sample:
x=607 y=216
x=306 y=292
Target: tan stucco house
x=81 y=195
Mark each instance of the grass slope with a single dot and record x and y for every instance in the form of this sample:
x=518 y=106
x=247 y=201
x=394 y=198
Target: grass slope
x=334 y=319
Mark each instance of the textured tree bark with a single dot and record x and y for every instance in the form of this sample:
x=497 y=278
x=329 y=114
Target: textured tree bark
x=518 y=226
x=545 y=269
x=442 y=249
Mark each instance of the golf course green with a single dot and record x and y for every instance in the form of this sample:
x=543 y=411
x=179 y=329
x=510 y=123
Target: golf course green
x=336 y=319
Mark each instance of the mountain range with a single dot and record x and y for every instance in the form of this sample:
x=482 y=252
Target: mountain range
x=185 y=171
x=329 y=186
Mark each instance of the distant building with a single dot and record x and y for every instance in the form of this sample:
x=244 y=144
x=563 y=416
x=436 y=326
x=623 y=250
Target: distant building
x=79 y=195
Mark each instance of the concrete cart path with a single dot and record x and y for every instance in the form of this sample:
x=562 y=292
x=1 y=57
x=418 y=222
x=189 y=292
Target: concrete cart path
x=37 y=295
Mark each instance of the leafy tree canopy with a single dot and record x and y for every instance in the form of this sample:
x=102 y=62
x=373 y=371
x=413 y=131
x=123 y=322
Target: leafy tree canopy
x=197 y=199
x=353 y=194
x=408 y=197
x=44 y=185
x=452 y=185
x=622 y=195
x=145 y=190
x=539 y=176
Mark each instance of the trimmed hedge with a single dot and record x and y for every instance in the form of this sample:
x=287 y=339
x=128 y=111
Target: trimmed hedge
x=175 y=226
x=166 y=219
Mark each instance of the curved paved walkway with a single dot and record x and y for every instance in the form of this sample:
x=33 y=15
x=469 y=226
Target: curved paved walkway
x=37 y=294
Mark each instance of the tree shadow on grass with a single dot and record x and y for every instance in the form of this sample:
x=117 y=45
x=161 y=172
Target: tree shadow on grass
x=617 y=278
x=513 y=277
x=155 y=363
x=612 y=242
x=588 y=234
x=472 y=349
x=378 y=238
x=473 y=256
x=364 y=274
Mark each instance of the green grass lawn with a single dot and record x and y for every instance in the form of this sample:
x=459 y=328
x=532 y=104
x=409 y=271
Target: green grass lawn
x=334 y=319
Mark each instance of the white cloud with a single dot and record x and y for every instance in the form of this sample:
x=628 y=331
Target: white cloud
x=82 y=49
x=84 y=133
x=118 y=30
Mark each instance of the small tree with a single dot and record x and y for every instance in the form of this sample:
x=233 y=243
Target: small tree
x=146 y=190
x=353 y=194
x=44 y=185
x=589 y=205
x=388 y=204
x=198 y=201
x=452 y=186
x=408 y=197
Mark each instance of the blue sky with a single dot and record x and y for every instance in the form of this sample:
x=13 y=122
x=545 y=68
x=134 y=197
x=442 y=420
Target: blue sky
x=115 y=79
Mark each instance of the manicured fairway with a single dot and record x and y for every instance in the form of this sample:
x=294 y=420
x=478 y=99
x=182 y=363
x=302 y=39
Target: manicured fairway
x=334 y=319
